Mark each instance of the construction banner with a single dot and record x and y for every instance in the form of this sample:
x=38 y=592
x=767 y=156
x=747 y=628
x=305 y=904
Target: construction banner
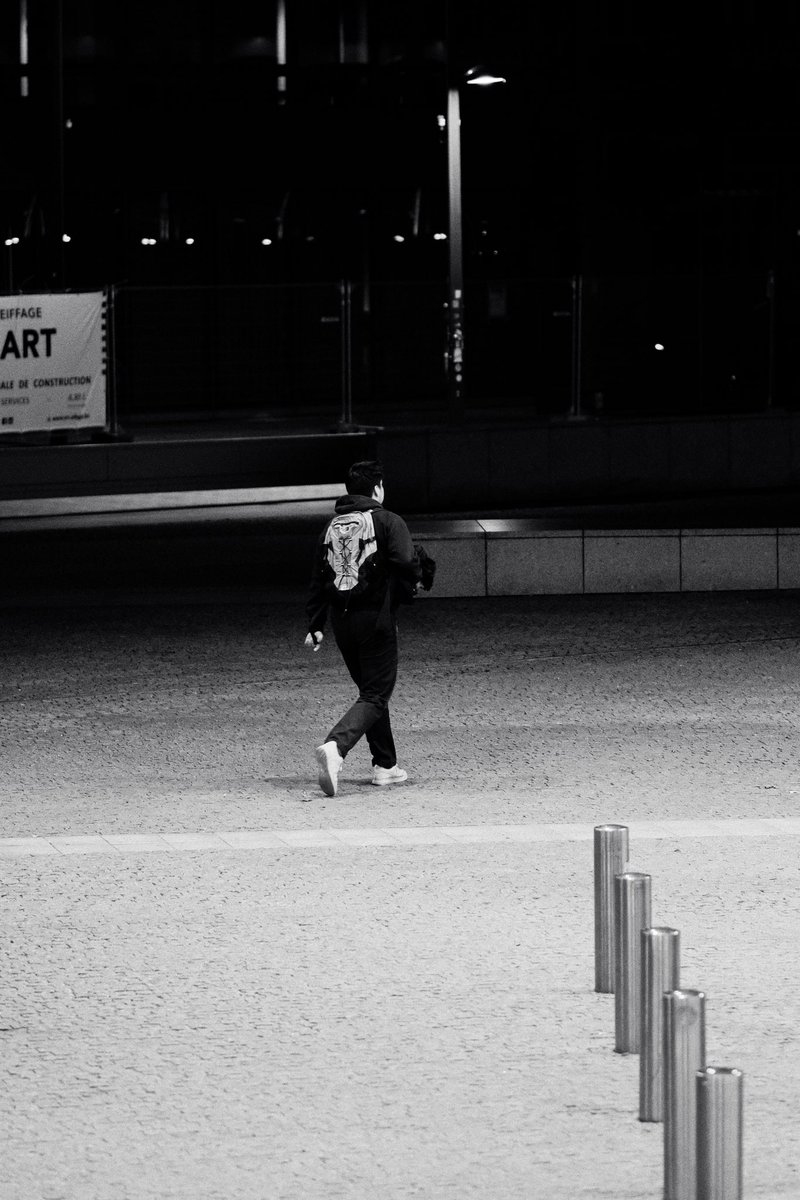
x=53 y=362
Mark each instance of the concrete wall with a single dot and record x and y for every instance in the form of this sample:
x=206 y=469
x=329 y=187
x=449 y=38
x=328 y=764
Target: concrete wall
x=144 y=466
x=514 y=558
x=481 y=557
x=436 y=471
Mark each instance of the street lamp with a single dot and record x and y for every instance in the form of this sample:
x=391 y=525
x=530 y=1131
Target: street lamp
x=479 y=77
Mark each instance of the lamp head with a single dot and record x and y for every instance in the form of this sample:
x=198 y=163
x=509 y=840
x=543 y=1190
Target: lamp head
x=483 y=77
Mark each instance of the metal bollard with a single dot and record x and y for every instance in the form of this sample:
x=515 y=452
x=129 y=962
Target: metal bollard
x=684 y=1056
x=610 y=859
x=719 y=1133
x=631 y=916
x=660 y=973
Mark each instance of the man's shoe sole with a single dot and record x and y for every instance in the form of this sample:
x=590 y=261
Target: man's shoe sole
x=387 y=782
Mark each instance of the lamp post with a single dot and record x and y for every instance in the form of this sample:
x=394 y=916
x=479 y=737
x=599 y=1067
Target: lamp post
x=479 y=77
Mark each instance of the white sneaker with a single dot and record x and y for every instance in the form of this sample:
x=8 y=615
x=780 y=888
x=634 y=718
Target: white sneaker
x=383 y=775
x=330 y=764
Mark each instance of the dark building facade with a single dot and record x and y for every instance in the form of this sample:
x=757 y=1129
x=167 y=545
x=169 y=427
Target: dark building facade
x=630 y=196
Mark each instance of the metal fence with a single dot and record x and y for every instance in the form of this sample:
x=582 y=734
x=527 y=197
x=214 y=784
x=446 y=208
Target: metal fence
x=367 y=352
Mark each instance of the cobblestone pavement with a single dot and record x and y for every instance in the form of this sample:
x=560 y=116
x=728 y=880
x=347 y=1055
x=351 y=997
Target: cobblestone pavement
x=204 y=717
x=308 y=1022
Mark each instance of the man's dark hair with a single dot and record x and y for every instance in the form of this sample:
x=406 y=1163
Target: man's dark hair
x=363 y=478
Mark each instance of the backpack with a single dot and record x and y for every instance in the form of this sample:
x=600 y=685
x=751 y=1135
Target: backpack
x=350 y=547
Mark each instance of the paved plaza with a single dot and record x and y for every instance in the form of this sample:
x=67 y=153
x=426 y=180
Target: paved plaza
x=217 y=984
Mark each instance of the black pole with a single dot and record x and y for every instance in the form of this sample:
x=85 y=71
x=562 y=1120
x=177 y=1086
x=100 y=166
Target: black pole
x=577 y=345
x=59 y=274
x=346 y=353
x=771 y=363
x=111 y=374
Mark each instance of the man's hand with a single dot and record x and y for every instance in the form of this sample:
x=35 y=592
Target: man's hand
x=314 y=640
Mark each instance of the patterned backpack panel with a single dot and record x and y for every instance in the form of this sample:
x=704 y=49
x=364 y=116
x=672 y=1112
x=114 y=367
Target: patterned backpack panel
x=349 y=542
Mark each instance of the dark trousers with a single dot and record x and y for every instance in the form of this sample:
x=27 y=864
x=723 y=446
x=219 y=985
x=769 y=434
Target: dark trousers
x=370 y=655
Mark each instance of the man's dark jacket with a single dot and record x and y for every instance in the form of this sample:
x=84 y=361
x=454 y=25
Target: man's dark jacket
x=385 y=578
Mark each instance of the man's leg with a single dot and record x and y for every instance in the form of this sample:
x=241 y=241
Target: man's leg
x=381 y=742
x=371 y=658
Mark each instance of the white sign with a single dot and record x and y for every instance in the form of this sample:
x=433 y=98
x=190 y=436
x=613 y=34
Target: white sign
x=52 y=362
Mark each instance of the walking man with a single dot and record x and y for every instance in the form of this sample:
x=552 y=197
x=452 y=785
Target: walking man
x=364 y=566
